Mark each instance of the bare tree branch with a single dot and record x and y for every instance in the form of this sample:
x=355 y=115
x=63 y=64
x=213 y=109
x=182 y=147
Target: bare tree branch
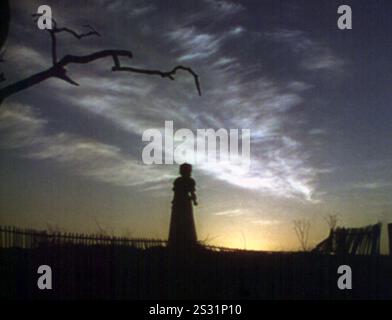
x=55 y=29
x=164 y=74
x=301 y=228
x=331 y=220
x=94 y=56
x=59 y=71
x=53 y=47
x=81 y=35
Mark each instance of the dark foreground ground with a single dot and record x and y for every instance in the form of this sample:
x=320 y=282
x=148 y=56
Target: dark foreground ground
x=86 y=272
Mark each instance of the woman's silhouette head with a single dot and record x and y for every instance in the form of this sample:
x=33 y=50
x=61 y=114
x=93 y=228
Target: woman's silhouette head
x=185 y=170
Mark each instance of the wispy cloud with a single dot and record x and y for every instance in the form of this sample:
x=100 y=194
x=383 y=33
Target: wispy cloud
x=229 y=213
x=224 y=7
x=132 y=8
x=279 y=163
x=317 y=131
x=197 y=45
x=314 y=54
x=21 y=128
x=24 y=59
x=266 y=222
x=372 y=185
x=142 y=10
x=200 y=45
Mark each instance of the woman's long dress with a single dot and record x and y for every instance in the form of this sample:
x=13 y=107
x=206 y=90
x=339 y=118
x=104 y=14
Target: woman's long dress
x=182 y=225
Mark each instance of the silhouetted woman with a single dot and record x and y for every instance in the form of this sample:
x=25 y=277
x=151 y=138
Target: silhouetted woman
x=182 y=224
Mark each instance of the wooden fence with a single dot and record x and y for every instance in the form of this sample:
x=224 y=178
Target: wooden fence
x=13 y=237
x=361 y=241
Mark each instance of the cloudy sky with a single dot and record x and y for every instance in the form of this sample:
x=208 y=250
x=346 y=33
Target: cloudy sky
x=316 y=98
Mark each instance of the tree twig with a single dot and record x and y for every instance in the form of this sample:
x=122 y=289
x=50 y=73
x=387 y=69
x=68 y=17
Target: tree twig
x=54 y=30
